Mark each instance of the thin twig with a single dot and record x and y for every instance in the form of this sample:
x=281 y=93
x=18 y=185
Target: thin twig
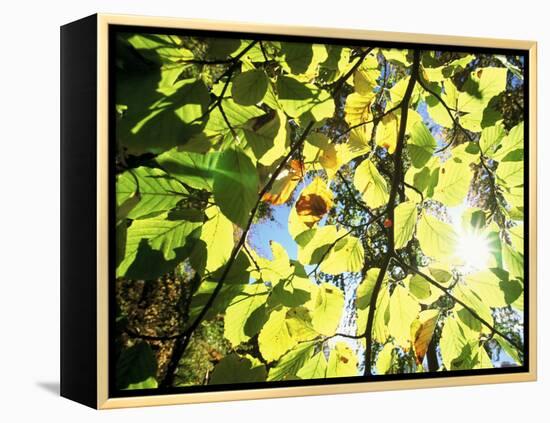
x=397 y=177
x=183 y=342
x=340 y=82
x=462 y=303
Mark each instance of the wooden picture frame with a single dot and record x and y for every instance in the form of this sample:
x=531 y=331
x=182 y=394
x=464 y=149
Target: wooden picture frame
x=89 y=209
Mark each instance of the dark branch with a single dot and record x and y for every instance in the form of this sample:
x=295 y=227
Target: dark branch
x=340 y=82
x=448 y=292
x=183 y=341
x=397 y=178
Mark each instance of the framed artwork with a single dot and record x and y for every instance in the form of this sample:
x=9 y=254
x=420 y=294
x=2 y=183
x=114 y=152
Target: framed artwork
x=259 y=211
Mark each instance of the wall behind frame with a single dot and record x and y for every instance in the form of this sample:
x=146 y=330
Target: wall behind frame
x=29 y=313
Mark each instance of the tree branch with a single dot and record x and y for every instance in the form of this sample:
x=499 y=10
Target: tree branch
x=397 y=177
x=229 y=72
x=340 y=82
x=183 y=341
x=462 y=303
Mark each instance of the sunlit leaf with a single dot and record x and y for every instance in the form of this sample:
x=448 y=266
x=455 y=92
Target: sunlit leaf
x=298 y=98
x=437 y=239
x=342 y=361
x=421 y=145
x=327 y=308
x=386 y=132
x=454 y=183
x=384 y=359
x=241 y=321
x=405 y=222
x=275 y=338
x=291 y=363
x=403 y=310
x=371 y=184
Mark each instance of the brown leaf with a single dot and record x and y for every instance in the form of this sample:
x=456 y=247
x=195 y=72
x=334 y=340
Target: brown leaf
x=422 y=331
x=314 y=202
x=284 y=185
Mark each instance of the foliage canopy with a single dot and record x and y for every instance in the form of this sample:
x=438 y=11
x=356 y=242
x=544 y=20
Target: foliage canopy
x=395 y=177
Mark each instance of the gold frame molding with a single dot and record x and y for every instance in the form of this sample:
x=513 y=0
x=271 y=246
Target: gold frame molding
x=103 y=22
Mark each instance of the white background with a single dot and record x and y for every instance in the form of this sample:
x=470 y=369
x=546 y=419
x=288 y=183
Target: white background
x=29 y=198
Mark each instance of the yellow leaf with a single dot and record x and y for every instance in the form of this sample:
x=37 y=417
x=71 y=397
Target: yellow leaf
x=386 y=133
x=371 y=184
x=357 y=109
x=284 y=184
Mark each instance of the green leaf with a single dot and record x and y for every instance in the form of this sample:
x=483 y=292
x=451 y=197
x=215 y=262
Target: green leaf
x=314 y=243
x=314 y=368
x=327 y=309
x=421 y=289
x=384 y=359
x=437 y=239
x=298 y=98
x=510 y=174
x=513 y=262
x=243 y=318
x=298 y=56
x=249 y=87
x=490 y=138
x=156 y=245
x=235 y=186
x=509 y=349
x=403 y=311
x=347 y=255
x=487 y=286
x=275 y=338
x=160 y=48
x=159 y=117
x=193 y=169
x=156 y=190
x=291 y=363
x=234 y=368
x=269 y=140
x=405 y=221
x=517 y=236
x=217 y=241
x=452 y=341
x=276 y=269
x=236 y=114
x=300 y=326
x=421 y=145
x=371 y=184
x=475 y=303
x=424 y=180
x=479 y=89
x=136 y=368
x=454 y=183
x=381 y=313
x=222 y=48
x=295 y=291
x=366 y=76
x=510 y=145
x=342 y=361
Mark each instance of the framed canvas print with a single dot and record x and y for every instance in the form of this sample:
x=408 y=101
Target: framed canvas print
x=261 y=211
